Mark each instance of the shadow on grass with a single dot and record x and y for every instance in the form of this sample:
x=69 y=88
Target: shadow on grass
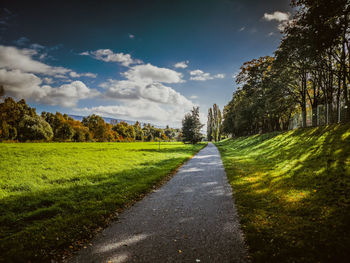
x=292 y=192
x=35 y=226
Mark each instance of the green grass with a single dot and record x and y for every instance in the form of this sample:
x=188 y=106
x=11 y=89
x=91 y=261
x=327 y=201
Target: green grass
x=54 y=196
x=292 y=191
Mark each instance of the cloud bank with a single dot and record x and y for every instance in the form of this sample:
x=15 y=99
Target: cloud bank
x=22 y=77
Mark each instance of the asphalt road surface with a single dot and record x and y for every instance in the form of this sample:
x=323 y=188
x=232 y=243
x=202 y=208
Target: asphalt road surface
x=192 y=218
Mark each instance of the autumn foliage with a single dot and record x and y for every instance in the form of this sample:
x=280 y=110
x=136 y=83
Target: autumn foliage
x=20 y=122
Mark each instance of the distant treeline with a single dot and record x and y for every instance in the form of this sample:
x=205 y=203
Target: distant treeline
x=20 y=122
x=310 y=69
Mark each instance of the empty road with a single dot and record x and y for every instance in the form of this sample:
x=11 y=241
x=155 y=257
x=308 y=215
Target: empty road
x=192 y=218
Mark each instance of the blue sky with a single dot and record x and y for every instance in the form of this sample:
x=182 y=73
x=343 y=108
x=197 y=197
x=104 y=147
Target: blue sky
x=137 y=60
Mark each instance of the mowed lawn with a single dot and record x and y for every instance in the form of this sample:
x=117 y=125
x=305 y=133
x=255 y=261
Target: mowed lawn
x=53 y=196
x=292 y=191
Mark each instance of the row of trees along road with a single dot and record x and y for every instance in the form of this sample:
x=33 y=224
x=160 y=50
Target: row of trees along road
x=214 y=124
x=19 y=122
x=311 y=67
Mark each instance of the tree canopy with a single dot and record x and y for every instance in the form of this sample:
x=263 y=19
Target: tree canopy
x=311 y=67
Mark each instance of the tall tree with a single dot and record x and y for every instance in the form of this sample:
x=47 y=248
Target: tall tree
x=210 y=123
x=191 y=127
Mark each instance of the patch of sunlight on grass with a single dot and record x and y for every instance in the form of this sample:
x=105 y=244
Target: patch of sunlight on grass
x=296 y=196
x=305 y=156
x=253 y=179
x=345 y=136
x=291 y=191
x=262 y=191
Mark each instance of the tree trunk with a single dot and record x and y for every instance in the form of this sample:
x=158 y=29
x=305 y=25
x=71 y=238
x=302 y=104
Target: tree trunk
x=314 y=115
x=303 y=98
x=303 y=112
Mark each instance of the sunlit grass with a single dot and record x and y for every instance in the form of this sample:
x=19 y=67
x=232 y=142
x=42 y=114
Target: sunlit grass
x=54 y=194
x=292 y=191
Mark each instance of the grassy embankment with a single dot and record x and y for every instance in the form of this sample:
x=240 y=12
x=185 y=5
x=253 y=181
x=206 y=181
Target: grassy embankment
x=292 y=191
x=53 y=195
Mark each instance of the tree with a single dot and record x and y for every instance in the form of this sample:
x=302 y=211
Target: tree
x=138 y=132
x=11 y=113
x=125 y=131
x=216 y=124
x=261 y=103
x=210 y=123
x=149 y=137
x=34 y=128
x=191 y=127
x=65 y=132
x=100 y=130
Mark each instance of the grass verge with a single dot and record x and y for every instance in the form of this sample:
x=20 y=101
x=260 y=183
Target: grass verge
x=55 y=196
x=292 y=191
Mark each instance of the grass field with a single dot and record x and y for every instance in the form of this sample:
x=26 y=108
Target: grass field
x=54 y=196
x=292 y=191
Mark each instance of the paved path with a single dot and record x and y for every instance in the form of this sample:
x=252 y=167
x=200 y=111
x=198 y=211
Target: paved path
x=191 y=218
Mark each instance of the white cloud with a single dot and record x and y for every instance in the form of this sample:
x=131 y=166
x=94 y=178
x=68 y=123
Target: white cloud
x=68 y=95
x=150 y=73
x=20 y=84
x=121 y=89
x=199 y=75
x=21 y=59
x=86 y=53
x=136 y=90
x=142 y=96
x=131 y=36
x=193 y=97
x=219 y=76
x=19 y=76
x=282 y=18
x=28 y=86
x=182 y=64
x=76 y=75
x=159 y=93
x=241 y=29
x=277 y=15
x=89 y=75
x=60 y=76
x=108 y=55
